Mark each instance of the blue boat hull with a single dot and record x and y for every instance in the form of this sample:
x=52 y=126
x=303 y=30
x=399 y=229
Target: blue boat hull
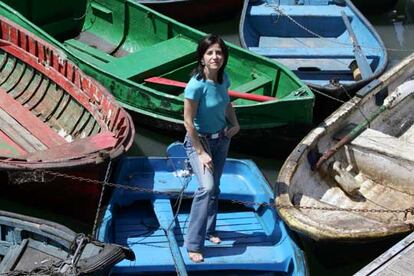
x=254 y=237
x=312 y=38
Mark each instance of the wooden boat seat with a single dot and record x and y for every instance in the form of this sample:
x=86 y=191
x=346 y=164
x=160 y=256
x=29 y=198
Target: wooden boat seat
x=153 y=60
x=24 y=128
x=385 y=158
x=76 y=149
x=300 y=10
x=377 y=141
x=86 y=52
x=306 y=52
x=163 y=181
x=256 y=83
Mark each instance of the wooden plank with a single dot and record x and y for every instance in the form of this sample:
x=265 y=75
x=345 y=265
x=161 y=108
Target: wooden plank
x=12 y=256
x=8 y=147
x=77 y=149
x=29 y=121
x=395 y=261
x=19 y=134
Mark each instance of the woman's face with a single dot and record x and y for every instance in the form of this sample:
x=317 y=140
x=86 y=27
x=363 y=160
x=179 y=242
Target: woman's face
x=213 y=58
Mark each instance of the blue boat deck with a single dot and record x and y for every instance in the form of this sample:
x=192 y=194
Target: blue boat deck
x=246 y=240
x=312 y=39
x=153 y=226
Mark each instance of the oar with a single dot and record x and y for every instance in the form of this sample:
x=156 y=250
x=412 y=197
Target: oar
x=360 y=58
x=236 y=94
x=400 y=93
x=165 y=216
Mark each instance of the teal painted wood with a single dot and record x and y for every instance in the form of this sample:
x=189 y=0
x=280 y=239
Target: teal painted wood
x=253 y=236
x=30 y=245
x=311 y=38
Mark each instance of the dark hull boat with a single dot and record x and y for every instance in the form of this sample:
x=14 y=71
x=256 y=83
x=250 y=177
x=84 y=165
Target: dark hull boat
x=53 y=117
x=31 y=246
x=146 y=218
x=195 y=11
x=144 y=59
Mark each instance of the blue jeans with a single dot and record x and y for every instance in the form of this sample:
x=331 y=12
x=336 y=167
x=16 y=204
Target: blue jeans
x=202 y=222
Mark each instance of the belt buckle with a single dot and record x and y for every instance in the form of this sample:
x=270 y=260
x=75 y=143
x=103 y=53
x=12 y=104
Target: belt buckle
x=215 y=135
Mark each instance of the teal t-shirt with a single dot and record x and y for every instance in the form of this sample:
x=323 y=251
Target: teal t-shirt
x=212 y=99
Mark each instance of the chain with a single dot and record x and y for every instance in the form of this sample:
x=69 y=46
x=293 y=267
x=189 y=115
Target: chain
x=95 y=223
x=281 y=12
x=405 y=211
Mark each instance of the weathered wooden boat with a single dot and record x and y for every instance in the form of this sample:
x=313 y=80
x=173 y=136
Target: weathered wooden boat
x=360 y=188
x=329 y=44
x=126 y=46
x=145 y=218
x=195 y=11
x=52 y=115
x=32 y=246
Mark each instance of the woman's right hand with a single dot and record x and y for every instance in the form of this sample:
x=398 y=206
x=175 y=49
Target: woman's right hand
x=206 y=161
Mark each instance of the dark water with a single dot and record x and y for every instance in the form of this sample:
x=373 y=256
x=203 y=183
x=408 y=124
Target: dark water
x=397 y=31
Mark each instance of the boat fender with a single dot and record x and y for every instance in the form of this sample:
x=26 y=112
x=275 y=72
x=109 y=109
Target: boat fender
x=109 y=256
x=356 y=72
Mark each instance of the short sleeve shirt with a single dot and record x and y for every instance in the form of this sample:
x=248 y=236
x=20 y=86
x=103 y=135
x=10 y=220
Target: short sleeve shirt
x=212 y=99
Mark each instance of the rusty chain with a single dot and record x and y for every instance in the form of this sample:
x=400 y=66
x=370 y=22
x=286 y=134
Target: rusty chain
x=405 y=211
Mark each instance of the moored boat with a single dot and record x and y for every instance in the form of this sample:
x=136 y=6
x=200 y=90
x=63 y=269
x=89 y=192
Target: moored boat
x=136 y=52
x=143 y=214
x=32 y=246
x=350 y=179
x=196 y=11
x=53 y=117
x=330 y=45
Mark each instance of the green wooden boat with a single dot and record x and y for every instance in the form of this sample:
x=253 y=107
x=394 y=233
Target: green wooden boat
x=122 y=43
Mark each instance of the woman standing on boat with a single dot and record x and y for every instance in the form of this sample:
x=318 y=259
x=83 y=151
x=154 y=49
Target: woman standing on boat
x=210 y=121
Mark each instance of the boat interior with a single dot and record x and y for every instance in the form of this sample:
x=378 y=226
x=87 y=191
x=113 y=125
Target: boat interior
x=133 y=43
x=43 y=105
x=310 y=37
x=373 y=171
x=251 y=235
x=24 y=245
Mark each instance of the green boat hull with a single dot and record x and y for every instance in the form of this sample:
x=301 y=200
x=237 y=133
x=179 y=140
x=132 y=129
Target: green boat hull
x=121 y=43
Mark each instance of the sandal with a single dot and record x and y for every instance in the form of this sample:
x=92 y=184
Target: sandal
x=195 y=257
x=214 y=239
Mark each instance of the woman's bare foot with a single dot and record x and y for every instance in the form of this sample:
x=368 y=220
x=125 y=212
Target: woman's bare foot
x=215 y=239
x=196 y=257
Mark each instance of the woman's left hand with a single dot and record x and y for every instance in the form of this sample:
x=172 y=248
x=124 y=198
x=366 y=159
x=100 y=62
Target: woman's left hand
x=232 y=131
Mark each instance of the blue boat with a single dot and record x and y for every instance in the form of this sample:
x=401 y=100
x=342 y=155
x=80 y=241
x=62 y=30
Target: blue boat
x=151 y=217
x=328 y=43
